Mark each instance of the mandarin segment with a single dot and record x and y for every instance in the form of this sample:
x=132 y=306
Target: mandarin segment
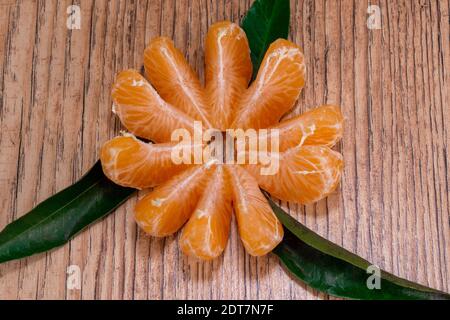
x=277 y=86
x=306 y=174
x=176 y=82
x=228 y=70
x=259 y=228
x=323 y=125
x=165 y=209
x=143 y=112
x=130 y=162
x=205 y=235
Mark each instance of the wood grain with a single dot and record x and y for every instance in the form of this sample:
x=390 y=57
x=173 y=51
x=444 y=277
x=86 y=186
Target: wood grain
x=393 y=85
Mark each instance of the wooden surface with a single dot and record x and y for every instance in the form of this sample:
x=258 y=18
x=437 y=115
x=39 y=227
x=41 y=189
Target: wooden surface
x=393 y=85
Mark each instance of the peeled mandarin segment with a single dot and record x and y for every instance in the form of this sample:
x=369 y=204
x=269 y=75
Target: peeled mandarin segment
x=228 y=70
x=205 y=235
x=143 y=112
x=277 y=86
x=306 y=174
x=259 y=228
x=130 y=162
x=176 y=82
x=321 y=126
x=164 y=210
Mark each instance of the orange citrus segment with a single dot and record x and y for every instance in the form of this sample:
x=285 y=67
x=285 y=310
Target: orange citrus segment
x=277 y=86
x=320 y=126
x=205 y=235
x=259 y=228
x=176 y=82
x=306 y=174
x=164 y=210
x=130 y=162
x=143 y=112
x=228 y=70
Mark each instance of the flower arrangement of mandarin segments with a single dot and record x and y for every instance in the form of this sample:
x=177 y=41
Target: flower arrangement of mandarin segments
x=216 y=150
x=201 y=197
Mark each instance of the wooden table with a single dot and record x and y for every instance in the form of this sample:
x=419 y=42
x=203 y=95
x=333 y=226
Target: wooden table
x=393 y=85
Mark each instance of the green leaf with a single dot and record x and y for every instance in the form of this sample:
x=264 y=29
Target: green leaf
x=329 y=268
x=265 y=22
x=56 y=220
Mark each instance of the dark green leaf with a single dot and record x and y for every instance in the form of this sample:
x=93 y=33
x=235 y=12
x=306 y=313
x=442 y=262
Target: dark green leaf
x=265 y=22
x=56 y=220
x=329 y=268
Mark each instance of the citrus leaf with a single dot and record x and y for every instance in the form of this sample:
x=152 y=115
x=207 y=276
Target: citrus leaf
x=329 y=268
x=56 y=220
x=265 y=22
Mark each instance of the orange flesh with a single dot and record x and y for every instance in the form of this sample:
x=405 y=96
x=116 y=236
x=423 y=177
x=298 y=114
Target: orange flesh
x=143 y=112
x=164 y=210
x=176 y=82
x=277 y=86
x=205 y=235
x=228 y=70
x=130 y=162
x=319 y=126
x=259 y=228
x=306 y=174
